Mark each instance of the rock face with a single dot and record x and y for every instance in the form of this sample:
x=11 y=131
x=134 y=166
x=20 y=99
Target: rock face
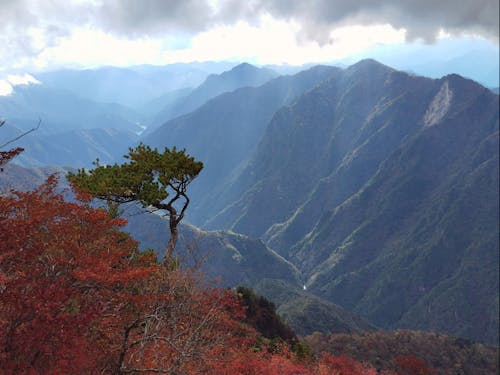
x=382 y=188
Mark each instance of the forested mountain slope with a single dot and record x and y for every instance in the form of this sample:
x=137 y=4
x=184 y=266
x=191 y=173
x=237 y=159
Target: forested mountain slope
x=382 y=187
x=233 y=259
x=224 y=132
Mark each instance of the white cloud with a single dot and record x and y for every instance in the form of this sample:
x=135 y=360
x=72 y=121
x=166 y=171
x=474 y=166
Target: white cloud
x=275 y=42
x=24 y=79
x=87 y=47
x=5 y=88
x=7 y=84
x=270 y=41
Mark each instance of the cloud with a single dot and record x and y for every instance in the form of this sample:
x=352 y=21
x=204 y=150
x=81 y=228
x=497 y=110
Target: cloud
x=5 y=88
x=421 y=18
x=29 y=27
x=139 y=17
x=31 y=31
x=24 y=79
x=274 y=42
x=7 y=85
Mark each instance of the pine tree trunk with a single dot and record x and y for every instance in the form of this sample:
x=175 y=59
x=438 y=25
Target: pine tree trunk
x=173 y=222
x=171 y=244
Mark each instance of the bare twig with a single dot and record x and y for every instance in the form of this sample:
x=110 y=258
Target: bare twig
x=23 y=134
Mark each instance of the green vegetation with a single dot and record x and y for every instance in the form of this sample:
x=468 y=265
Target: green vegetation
x=261 y=314
x=153 y=179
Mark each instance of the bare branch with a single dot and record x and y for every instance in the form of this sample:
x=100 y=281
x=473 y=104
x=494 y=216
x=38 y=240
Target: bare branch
x=23 y=134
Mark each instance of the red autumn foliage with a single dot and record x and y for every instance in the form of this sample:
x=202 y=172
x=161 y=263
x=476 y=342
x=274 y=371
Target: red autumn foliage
x=411 y=365
x=6 y=156
x=183 y=329
x=64 y=275
x=285 y=363
x=342 y=365
x=77 y=297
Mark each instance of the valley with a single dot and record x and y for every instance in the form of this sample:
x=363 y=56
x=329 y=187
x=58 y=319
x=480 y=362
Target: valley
x=356 y=198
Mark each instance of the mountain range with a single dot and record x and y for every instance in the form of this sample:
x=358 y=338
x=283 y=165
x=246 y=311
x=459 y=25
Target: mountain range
x=242 y=75
x=230 y=259
x=80 y=123
x=134 y=86
x=225 y=131
x=374 y=189
x=380 y=186
x=70 y=130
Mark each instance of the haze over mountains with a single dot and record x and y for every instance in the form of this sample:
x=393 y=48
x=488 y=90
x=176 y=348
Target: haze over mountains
x=133 y=87
x=471 y=58
x=375 y=188
x=242 y=75
x=79 y=110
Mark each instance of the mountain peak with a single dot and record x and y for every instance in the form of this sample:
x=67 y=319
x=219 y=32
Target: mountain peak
x=244 y=71
x=466 y=86
x=370 y=64
x=244 y=66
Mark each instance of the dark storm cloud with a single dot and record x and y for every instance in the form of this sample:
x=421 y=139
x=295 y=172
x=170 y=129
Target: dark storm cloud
x=421 y=18
x=138 y=17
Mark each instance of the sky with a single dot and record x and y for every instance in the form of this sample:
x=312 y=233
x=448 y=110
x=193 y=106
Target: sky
x=40 y=35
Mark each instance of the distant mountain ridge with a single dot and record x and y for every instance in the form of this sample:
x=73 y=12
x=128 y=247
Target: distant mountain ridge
x=76 y=130
x=70 y=130
x=61 y=110
x=132 y=86
x=242 y=75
